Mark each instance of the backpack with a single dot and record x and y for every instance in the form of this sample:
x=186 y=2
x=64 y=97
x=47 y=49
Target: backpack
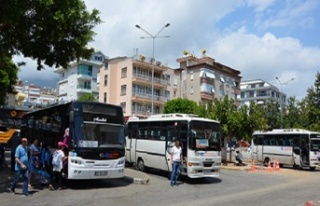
x=56 y=159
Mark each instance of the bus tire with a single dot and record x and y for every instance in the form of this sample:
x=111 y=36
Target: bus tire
x=266 y=161
x=140 y=165
x=312 y=168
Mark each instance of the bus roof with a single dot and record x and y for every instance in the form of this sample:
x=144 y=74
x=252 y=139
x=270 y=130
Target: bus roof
x=286 y=131
x=68 y=103
x=170 y=117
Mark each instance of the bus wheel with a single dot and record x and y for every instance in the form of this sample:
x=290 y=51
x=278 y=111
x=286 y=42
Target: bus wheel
x=312 y=168
x=140 y=165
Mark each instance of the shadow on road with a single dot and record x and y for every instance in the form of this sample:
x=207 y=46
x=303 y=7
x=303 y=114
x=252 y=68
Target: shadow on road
x=96 y=184
x=184 y=179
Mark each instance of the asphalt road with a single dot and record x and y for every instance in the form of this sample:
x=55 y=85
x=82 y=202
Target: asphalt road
x=288 y=187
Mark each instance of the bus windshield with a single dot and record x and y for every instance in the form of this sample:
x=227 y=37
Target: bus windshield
x=204 y=136
x=315 y=143
x=102 y=135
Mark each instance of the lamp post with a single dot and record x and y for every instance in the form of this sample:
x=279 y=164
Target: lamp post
x=281 y=84
x=153 y=37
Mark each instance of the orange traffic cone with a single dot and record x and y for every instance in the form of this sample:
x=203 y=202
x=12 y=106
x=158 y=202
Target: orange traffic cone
x=274 y=165
x=253 y=166
x=269 y=166
x=277 y=165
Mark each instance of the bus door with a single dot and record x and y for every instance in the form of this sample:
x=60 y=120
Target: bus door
x=132 y=142
x=257 y=148
x=172 y=134
x=297 y=151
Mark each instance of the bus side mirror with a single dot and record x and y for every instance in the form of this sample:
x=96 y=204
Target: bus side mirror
x=71 y=116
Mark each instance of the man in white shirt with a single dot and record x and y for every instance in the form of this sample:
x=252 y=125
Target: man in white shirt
x=176 y=161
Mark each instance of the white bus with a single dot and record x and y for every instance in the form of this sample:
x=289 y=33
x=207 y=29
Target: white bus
x=96 y=137
x=149 y=143
x=296 y=147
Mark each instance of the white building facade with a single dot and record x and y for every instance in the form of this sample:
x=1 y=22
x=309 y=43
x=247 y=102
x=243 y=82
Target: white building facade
x=79 y=78
x=260 y=92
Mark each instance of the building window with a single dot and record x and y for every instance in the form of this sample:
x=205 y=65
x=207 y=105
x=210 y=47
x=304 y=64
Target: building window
x=106 y=65
x=62 y=75
x=174 y=94
x=123 y=90
x=123 y=105
x=124 y=72
x=175 y=81
x=222 y=91
x=105 y=80
x=84 y=70
x=191 y=90
x=242 y=94
x=105 y=97
x=251 y=93
x=167 y=94
x=205 y=87
x=191 y=75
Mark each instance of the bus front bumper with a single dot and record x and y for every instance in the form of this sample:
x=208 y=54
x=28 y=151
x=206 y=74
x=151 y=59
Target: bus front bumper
x=93 y=173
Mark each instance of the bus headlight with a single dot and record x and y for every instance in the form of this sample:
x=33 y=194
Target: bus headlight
x=190 y=164
x=120 y=162
x=77 y=162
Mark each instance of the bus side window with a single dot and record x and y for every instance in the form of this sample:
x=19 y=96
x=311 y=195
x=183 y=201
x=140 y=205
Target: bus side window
x=266 y=140
x=260 y=141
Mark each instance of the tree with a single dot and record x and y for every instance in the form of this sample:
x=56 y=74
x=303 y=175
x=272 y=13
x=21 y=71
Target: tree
x=87 y=98
x=180 y=105
x=53 y=32
x=8 y=77
x=313 y=104
x=271 y=111
x=292 y=117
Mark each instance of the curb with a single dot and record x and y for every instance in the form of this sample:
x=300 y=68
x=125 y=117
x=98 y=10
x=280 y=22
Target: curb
x=246 y=169
x=138 y=180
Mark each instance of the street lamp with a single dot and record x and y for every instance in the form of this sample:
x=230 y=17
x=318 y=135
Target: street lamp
x=281 y=84
x=153 y=37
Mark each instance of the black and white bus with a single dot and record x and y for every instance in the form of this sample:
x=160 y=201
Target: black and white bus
x=96 y=136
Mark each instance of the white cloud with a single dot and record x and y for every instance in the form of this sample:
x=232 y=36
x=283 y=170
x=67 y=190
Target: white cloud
x=268 y=57
x=194 y=26
x=260 y=5
x=294 y=13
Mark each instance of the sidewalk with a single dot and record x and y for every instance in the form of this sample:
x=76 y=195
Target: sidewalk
x=232 y=166
x=136 y=176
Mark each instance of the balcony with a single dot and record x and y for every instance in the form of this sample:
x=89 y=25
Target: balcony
x=148 y=80
x=84 y=74
x=206 y=95
x=84 y=88
x=146 y=64
x=145 y=97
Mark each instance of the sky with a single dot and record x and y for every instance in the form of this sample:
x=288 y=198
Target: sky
x=263 y=39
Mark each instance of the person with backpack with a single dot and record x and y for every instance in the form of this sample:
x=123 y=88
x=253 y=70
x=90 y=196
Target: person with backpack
x=46 y=158
x=57 y=166
x=34 y=153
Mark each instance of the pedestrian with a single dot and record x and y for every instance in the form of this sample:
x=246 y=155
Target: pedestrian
x=239 y=157
x=21 y=167
x=57 y=166
x=45 y=158
x=176 y=161
x=34 y=153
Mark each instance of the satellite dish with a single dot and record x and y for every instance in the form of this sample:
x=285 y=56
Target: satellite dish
x=212 y=90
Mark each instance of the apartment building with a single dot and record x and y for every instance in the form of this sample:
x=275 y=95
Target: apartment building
x=79 y=78
x=261 y=92
x=203 y=79
x=128 y=82
x=31 y=92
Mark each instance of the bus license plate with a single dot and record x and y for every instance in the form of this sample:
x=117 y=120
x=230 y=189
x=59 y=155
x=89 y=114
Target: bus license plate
x=206 y=171
x=100 y=173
